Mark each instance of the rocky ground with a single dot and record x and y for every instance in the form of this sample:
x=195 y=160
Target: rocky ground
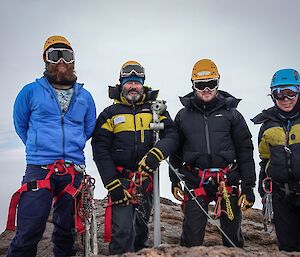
x=257 y=241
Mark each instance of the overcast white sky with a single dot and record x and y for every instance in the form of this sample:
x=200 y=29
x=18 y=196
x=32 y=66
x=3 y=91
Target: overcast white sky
x=248 y=40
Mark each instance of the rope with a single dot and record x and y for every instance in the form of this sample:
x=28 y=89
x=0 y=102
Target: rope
x=211 y=220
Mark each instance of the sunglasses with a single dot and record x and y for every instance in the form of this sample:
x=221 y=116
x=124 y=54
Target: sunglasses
x=202 y=85
x=54 y=55
x=133 y=69
x=282 y=93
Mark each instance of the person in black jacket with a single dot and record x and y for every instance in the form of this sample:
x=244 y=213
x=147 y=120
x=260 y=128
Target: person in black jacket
x=215 y=157
x=126 y=157
x=279 y=150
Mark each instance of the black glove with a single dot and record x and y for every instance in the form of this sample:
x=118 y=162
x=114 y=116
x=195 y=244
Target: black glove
x=247 y=198
x=177 y=191
x=119 y=195
x=151 y=160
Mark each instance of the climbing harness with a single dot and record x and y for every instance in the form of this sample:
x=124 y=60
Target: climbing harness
x=85 y=220
x=135 y=190
x=218 y=176
x=60 y=168
x=194 y=198
x=268 y=213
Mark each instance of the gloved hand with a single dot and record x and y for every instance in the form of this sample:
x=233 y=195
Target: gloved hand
x=246 y=199
x=151 y=160
x=119 y=195
x=177 y=191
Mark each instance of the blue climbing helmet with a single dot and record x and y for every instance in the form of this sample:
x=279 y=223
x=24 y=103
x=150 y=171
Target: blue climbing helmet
x=285 y=77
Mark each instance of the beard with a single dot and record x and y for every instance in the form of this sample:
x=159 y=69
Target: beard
x=55 y=76
x=132 y=98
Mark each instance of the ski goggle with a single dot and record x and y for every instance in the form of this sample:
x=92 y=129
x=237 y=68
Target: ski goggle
x=200 y=85
x=132 y=69
x=54 y=55
x=289 y=92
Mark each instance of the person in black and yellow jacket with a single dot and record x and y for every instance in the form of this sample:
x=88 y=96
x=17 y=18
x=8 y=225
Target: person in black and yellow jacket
x=279 y=150
x=125 y=154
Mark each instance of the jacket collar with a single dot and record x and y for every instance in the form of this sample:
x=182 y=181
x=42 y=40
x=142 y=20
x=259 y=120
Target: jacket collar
x=114 y=93
x=224 y=100
x=45 y=83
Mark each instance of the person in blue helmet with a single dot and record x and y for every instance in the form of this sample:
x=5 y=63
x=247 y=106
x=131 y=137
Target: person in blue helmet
x=126 y=156
x=54 y=116
x=279 y=151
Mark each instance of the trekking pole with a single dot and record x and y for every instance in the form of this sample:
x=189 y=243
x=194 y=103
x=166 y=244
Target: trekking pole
x=194 y=198
x=158 y=107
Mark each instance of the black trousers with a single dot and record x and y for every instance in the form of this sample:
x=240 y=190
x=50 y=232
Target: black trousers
x=195 y=220
x=287 y=221
x=130 y=225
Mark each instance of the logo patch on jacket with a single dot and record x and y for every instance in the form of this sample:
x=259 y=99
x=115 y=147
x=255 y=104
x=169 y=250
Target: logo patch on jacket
x=119 y=119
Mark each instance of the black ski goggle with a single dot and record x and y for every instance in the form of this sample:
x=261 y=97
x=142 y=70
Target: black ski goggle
x=133 y=69
x=289 y=92
x=202 y=85
x=54 y=55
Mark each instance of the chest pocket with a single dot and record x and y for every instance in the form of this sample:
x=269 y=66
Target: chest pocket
x=77 y=110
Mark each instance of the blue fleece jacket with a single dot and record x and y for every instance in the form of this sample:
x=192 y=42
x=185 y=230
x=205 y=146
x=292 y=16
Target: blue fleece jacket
x=48 y=133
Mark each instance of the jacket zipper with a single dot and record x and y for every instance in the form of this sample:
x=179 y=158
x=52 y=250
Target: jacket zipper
x=135 y=132
x=63 y=118
x=142 y=131
x=288 y=150
x=207 y=135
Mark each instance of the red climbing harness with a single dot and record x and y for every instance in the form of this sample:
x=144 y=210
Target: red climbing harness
x=60 y=168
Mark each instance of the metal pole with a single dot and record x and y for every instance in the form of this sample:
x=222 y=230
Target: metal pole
x=158 y=107
x=156 y=206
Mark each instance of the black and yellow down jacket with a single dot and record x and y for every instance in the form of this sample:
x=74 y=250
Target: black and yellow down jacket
x=214 y=137
x=279 y=147
x=122 y=135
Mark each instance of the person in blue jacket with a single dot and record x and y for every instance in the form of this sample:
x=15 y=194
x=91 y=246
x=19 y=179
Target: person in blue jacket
x=54 y=116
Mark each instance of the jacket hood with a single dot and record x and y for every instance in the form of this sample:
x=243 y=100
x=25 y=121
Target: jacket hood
x=114 y=92
x=265 y=115
x=224 y=98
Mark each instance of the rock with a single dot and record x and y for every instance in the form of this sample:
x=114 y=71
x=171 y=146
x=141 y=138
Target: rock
x=257 y=241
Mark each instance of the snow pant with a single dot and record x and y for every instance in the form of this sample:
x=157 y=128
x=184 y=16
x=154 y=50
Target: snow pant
x=33 y=211
x=195 y=220
x=130 y=225
x=287 y=220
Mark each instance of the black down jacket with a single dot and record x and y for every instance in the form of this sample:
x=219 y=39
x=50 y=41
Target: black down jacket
x=214 y=136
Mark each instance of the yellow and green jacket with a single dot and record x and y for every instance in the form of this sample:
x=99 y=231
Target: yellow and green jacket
x=279 y=147
x=122 y=135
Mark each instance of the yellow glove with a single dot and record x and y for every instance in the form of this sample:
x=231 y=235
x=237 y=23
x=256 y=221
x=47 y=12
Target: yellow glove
x=177 y=191
x=247 y=199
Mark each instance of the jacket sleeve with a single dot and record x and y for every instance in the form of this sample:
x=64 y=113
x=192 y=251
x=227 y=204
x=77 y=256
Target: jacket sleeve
x=21 y=113
x=168 y=136
x=244 y=150
x=264 y=154
x=176 y=157
x=90 y=118
x=101 y=144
